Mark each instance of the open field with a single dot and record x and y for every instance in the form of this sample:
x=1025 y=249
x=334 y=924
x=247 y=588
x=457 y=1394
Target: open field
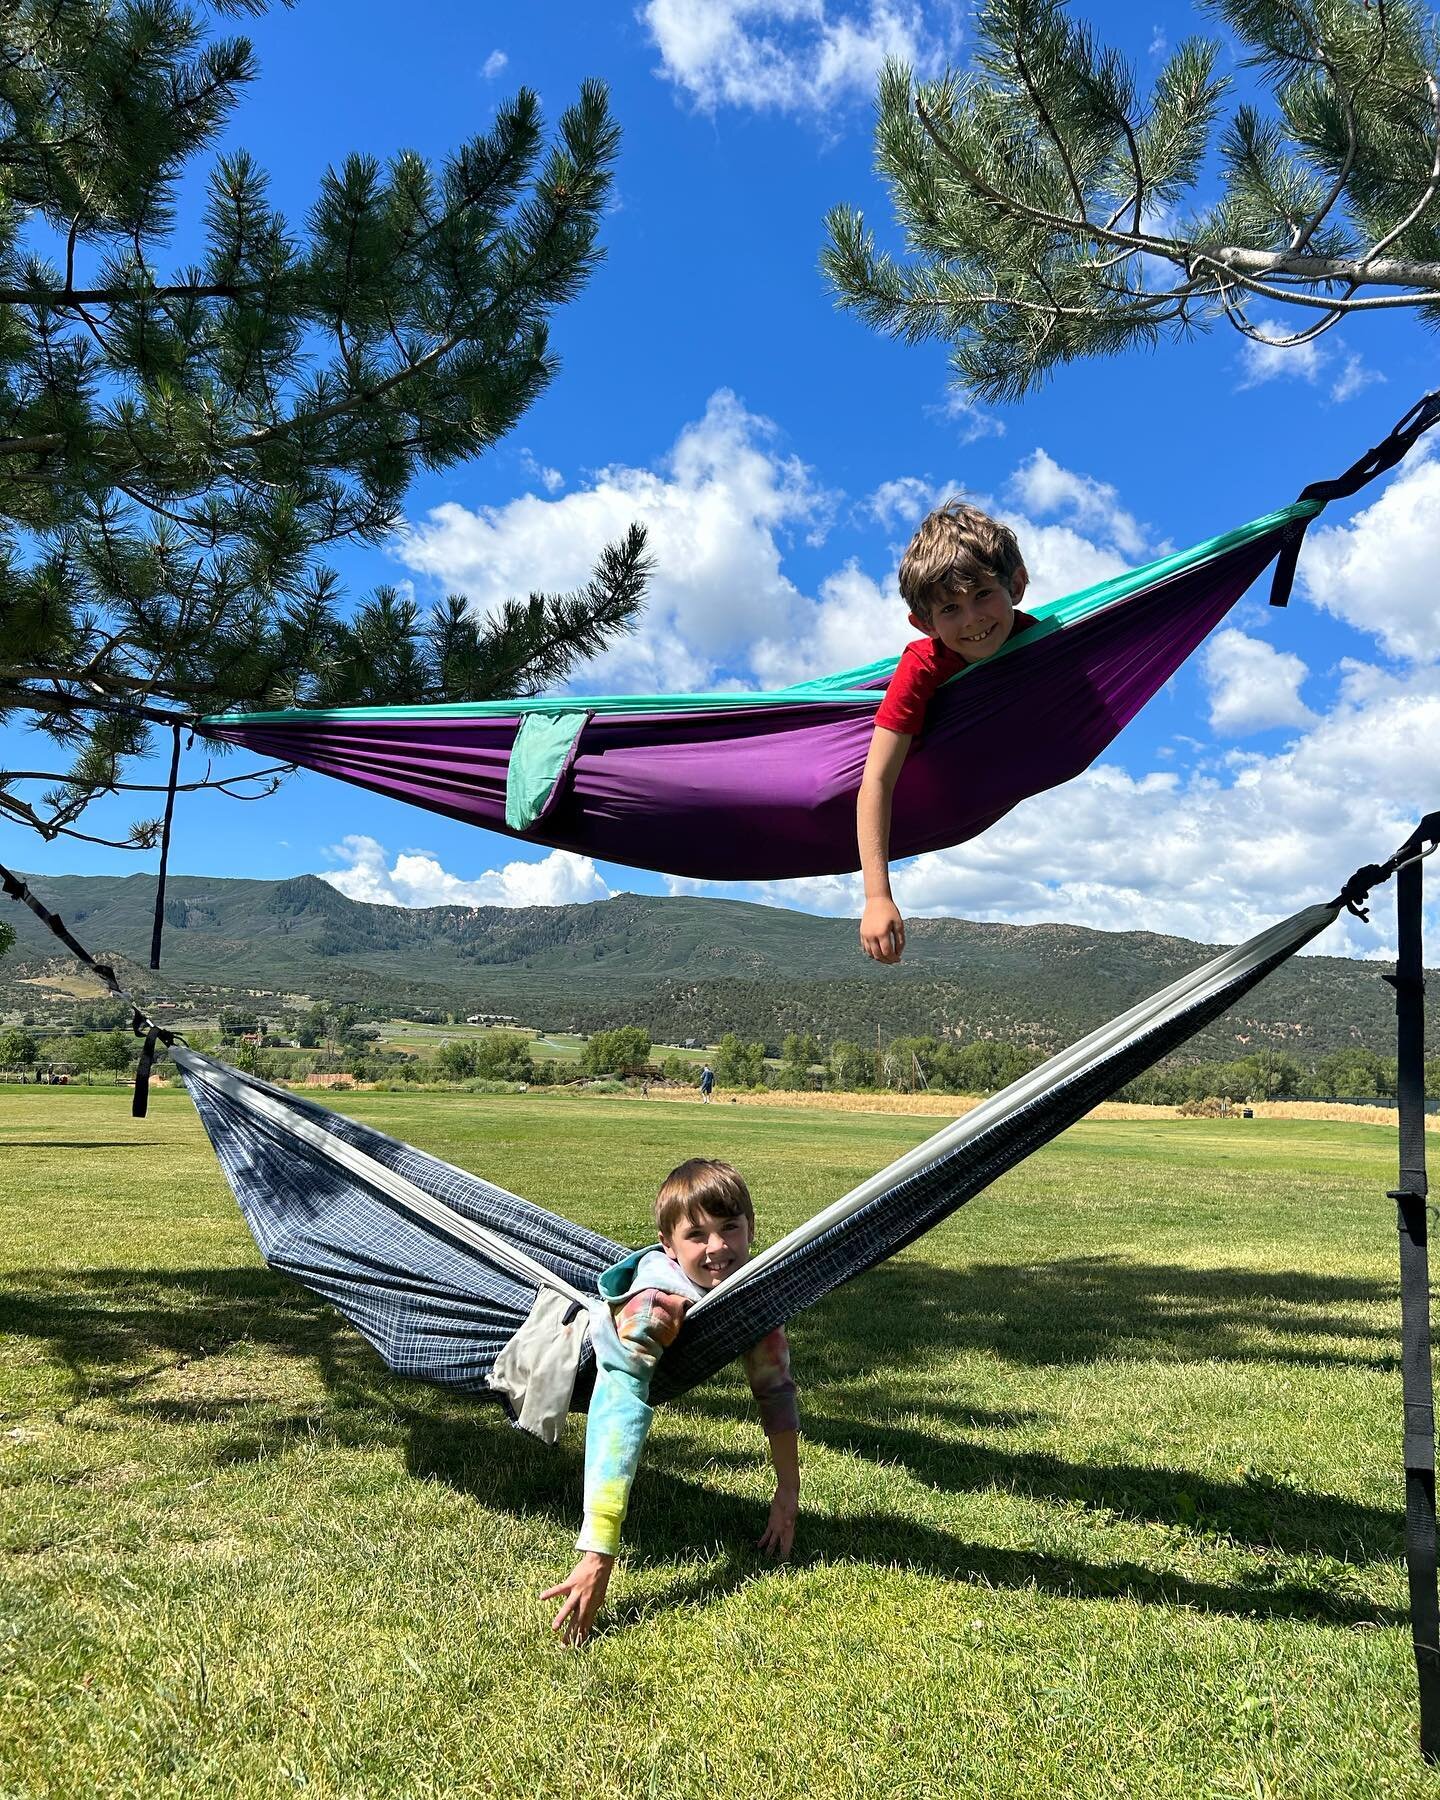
x=1102 y=1494
x=951 y=1106
x=562 y=1046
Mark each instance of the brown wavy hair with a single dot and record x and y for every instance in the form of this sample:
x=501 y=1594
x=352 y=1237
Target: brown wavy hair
x=701 y=1185
x=958 y=543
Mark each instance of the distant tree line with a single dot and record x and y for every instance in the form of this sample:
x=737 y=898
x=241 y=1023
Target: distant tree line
x=340 y=1040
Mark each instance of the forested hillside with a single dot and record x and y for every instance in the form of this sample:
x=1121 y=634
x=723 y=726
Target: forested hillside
x=681 y=967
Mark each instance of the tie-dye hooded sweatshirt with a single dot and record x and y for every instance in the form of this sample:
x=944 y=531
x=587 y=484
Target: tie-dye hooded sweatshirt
x=642 y=1306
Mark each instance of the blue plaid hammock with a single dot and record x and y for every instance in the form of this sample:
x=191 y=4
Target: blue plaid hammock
x=444 y=1272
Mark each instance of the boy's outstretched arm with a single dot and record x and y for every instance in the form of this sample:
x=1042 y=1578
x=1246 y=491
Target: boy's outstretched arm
x=615 y=1431
x=882 y=930
x=778 y=1537
x=767 y=1365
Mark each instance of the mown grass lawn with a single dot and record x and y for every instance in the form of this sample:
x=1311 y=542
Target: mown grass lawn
x=1101 y=1498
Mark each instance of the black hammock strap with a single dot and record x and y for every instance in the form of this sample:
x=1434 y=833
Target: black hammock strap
x=157 y=927
x=140 y=1022
x=1401 y=439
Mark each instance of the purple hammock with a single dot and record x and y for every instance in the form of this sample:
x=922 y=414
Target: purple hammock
x=749 y=786
x=727 y=787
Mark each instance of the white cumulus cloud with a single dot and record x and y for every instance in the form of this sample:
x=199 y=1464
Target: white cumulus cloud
x=416 y=878
x=550 y=479
x=721 y=508
x=971 y=422
x=792 y=56
x=1270 y=358
x=1253 y=686
x=1378 y=571
x=493 y=64
x=903 y=501
x=1043 y=486
x=718 y=508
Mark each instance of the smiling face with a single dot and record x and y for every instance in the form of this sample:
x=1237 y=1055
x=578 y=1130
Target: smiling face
x=708 y=1248
x=973 y=619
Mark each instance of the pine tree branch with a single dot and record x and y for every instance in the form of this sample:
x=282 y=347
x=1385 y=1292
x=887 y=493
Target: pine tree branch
x=1241 y=265
x=273 y=772
x=1303 y=234
x=1051 y=130
x=49 y=829
x=69 y=298
x=34 y=445
x=1428 y=196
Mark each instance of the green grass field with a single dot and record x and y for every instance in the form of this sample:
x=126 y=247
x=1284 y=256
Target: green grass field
x=1101 y=1487
x=560 y=1046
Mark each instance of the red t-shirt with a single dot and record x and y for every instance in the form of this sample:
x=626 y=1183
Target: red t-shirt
x=925 y=666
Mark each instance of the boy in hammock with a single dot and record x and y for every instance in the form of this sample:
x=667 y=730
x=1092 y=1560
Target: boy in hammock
x=962 y=578
x=706 y=1223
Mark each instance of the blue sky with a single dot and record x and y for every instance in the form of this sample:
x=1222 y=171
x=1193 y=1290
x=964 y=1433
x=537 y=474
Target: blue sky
x=780 y=452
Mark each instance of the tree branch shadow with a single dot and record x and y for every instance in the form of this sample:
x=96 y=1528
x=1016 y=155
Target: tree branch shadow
x=673 y=1517
x=1097 y=1308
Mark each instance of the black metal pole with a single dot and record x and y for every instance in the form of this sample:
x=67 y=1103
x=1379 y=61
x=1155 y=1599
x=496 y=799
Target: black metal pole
x=1410 y=1200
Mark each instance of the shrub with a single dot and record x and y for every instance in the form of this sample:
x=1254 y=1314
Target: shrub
x=624 y=1051
x=455 y=1061
x=503 y=1056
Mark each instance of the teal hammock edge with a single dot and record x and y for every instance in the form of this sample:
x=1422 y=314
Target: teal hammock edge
x=850 y=687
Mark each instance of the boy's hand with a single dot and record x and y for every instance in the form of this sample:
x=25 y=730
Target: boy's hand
x=779 y=1533
x=882 y=930
x=584 y=1590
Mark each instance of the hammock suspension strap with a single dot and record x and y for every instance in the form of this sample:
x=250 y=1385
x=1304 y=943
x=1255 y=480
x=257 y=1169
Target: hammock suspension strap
x=158 y=925
x=1402 y=438
x=140 y=1022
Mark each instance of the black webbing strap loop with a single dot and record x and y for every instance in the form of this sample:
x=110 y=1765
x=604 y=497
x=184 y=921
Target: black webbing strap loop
x=1415 y=1364
x=140 y=1023
x=158 y=924
x=1422 y=841
x=140 y=1101
x=1376 y=460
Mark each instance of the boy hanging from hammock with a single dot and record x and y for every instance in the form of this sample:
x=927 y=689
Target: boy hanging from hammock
x=962 y=578
x=706 y=1223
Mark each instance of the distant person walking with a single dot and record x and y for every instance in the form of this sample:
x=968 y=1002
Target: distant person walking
x=707 y=1083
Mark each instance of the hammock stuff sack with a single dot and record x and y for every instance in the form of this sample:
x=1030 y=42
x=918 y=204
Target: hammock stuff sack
x=442 y=1271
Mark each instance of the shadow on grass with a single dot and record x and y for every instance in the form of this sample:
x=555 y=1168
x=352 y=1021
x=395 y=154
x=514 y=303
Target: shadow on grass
x=1254 y=1510
x=115 y=1329
x=85 y=1143
x=1095 y=1308
x=99 y=1324
x=672 y=1518
x=1078 y=1309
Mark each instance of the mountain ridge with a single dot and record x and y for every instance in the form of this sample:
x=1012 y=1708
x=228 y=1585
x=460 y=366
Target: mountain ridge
x=684 y=966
